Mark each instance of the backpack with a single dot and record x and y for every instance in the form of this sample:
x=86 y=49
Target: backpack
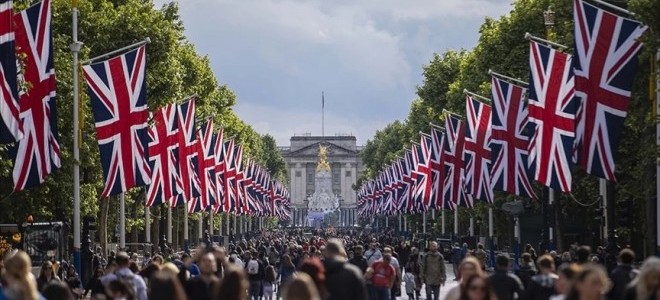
x=253 y=267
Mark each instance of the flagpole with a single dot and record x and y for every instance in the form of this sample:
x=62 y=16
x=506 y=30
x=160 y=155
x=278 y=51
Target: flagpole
x=443 y=222
x=322 y=114
x=490 y=236
x=186 y=241
x=169 y=225
x=211 y=224
x=122 y=222
x=75 y=49
x=456 y=222
x=200 y=230
x=465 y=91
x=657 y=167
x=111 y=53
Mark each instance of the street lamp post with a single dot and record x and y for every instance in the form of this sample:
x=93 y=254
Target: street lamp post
x=340 y=201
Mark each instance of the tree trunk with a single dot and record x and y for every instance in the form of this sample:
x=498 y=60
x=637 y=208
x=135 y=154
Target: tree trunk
x=103 y=225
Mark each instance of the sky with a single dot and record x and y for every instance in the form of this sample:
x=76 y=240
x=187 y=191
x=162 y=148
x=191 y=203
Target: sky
x=278 y=56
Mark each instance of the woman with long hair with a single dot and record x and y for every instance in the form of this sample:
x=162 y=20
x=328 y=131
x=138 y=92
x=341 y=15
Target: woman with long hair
x=20 y=283
x=477 y=287
x=165 y=286
x=315 y=269
x=590 y=284
x=46 y=275
x=468 y=267
x=646 y=286
x=233 y=285
x=300 y=287
x=566 y=274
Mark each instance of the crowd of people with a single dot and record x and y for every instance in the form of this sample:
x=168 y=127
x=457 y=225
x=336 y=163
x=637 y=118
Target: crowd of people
x=336 y=265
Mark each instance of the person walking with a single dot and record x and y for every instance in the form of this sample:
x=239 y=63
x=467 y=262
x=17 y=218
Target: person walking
x=359 y=260
x=542 y=285
x=409 y=280
x=125 y=274
x=477 y=287
x=383 y=278
x=646 y=286
x=590 y=284
x=507 y=285
x=255 y=271
x=622 y=275
x=433 y=272
x=343 y=281
x=373 y=253
x=202 y=286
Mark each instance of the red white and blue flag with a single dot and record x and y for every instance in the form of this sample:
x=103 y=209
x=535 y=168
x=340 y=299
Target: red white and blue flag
x=163 y=155
x=403 y=199
x=509 y=140
x=37 y=154
x=230 y=197
x=187 y=152
x=605 y=63
x=219 y=170
x=453 y=189
x=205 y=167
x=552 y=108
x=117 y=89
x=11 y=129
x=477 y=154
x=437 y=165
x=423 y=193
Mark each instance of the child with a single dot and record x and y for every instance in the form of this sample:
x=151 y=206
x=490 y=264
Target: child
x=409 y=280
x=268 y=282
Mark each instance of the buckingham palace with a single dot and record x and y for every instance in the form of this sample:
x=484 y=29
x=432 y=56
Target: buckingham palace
x=309 y=160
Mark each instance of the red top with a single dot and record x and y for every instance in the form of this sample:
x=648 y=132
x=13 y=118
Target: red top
x=383 y=274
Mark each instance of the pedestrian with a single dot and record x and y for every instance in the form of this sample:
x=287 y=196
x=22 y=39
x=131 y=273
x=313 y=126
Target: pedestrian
x=373 y=253
x=566 y=274
x=315 y=269
x=455 y=259
x=358 y=259
x=542 y=285
x=269 y=281
x=622 y=275
x=233 y=285
x=383 y=278
x=343 y=281
x=165 y=286
x=301 y=287
x=468 y=267
x=119 y=289
x=57 y=290
x=583 y=255
x=285 y=272
x=94 y=285
x=477 y=287
x=590 y=284
x=526 y=270
x=202 y=286
x=255 y=274
x=646 y=286
x=409 y=280
x=507 y=285
x=433 y=272
x=46 y=275
x=19 y=283
x=73 y=281
x=414 y=266
x=482 y=256
x=125 y=274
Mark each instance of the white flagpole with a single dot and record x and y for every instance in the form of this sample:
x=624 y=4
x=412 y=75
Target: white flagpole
x=185 y=226
x=111 y=53
x=75 y=49
x=200 y=224
x=122 y=222
x=443 y=222
x=211 y=224
x=456 y=222
x=169 y=225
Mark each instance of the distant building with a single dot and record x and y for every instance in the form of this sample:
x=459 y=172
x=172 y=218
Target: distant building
x=343 y=155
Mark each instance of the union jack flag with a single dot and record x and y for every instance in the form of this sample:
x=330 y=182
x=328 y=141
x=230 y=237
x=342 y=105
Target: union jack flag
x=552 y=111
x=241 y=198
x=205 y=167
x=11 y=129
x=509 y=141
x=219 y=170
x=38 y=153
x=477 y=152
x=187 y=151
x=453 y=193
x=163 y=155
x=405 y=203
x=231 y=197
x=437 y=165
x=118 y=92
x=606 y=49
x=423 y=192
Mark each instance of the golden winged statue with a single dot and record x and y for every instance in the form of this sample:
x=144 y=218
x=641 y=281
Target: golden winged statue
x=323 y=159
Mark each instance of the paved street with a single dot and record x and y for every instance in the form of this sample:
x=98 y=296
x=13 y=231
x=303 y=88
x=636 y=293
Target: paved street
x=443 y=290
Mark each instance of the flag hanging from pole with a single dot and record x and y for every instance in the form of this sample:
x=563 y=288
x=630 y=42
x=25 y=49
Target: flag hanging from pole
x=510 y=142
x=118 y=92
x=219 y=170
x=552 y=112
x=205 y=167
x=163 y=155
x=11 y=129
x=605 y=63
x=187 y=152
x=477 y=154
x=37 y=154
x=453 y=188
